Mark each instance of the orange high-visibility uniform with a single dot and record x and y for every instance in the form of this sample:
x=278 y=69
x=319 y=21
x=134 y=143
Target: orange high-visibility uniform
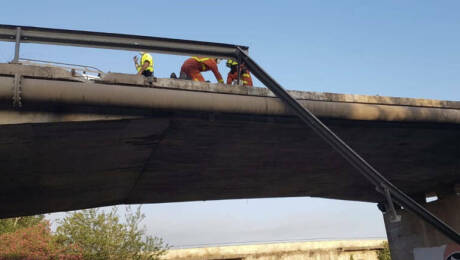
x=195 y=65
x=245 y=77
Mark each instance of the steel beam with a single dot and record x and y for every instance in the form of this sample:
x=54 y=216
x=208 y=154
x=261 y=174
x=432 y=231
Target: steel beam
x=117 y=41
x=378 y=180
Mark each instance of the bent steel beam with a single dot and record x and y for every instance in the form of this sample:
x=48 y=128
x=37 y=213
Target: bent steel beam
x=116 y=41
x=380 y=182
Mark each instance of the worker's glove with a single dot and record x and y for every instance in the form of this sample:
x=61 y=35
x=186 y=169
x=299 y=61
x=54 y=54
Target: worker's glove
x=135 y=59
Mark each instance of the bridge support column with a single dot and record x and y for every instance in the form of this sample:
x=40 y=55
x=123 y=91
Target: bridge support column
x=413 y=234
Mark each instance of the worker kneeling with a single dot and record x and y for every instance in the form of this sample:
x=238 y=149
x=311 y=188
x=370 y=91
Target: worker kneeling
x=192 y=68
x=232 y=77
x=146 y=66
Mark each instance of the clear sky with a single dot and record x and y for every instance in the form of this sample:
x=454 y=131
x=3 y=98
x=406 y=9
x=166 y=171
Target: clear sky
x=389 y=48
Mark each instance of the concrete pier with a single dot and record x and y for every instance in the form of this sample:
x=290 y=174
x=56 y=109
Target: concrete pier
x=412 y=234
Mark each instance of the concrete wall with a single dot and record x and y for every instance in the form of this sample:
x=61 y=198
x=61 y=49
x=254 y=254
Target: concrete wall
x=322 y=250
x=445 y=252
x=412 y=234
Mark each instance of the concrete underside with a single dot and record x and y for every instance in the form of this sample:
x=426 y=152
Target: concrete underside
x=170 y=157
x=68 y=153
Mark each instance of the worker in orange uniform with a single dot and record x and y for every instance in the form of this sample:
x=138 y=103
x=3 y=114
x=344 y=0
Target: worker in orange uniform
x=245 y=76
x=192 y=68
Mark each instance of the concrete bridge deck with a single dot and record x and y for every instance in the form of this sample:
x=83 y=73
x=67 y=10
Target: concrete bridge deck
x=123 y=139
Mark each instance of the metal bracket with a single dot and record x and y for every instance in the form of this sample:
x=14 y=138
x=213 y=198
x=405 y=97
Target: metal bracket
x=17 y=90
x=394 y=217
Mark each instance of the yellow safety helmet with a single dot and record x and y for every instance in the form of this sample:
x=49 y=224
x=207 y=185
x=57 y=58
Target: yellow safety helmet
x=231 y=63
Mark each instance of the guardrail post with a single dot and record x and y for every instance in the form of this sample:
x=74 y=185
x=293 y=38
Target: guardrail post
x=16 y=48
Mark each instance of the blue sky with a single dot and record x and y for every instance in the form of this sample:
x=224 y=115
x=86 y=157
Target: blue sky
x=389 y=48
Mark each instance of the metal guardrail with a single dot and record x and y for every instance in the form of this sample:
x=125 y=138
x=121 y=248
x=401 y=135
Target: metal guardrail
x=25 y=34
x=84 y=71
x=28 y=34
x=80 y=67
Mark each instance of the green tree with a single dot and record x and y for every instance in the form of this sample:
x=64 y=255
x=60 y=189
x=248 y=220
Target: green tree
x=384 y=254
x=102 y=235
x=9 y=225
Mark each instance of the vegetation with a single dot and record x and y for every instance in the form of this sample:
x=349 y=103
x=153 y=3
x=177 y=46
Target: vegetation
x=35 y=242
x=86 y=234
x=12 y=224
x=101 y=235
x=384 y=254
